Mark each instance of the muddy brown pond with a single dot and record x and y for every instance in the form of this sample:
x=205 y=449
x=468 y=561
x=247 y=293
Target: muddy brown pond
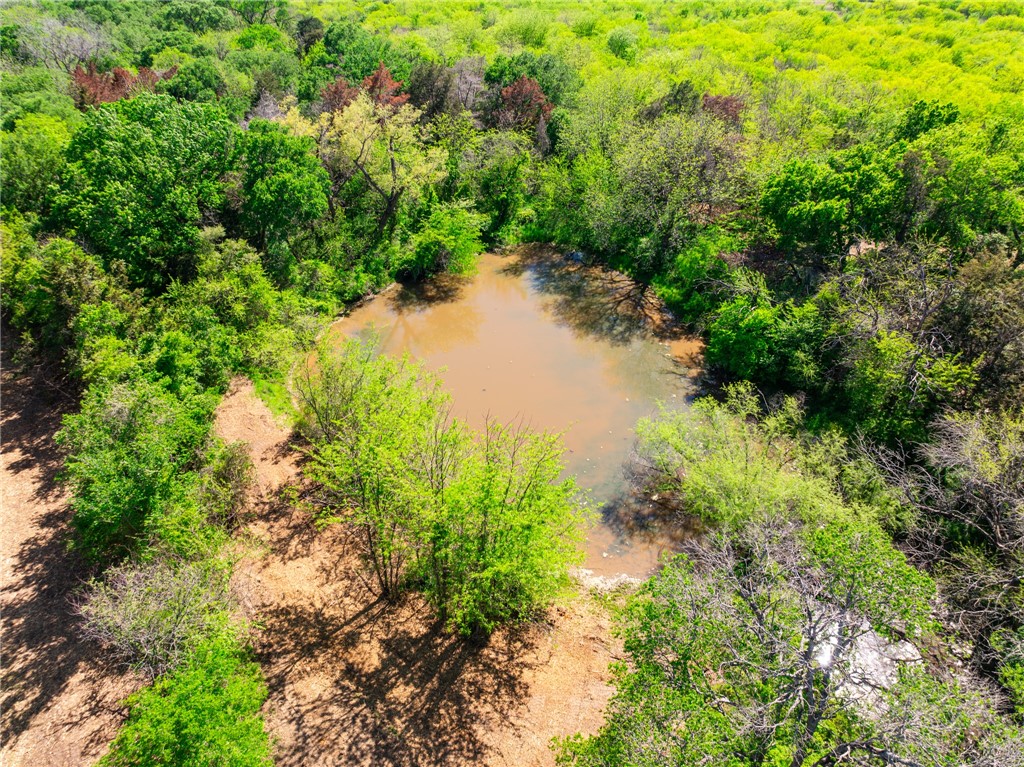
x=536 y=337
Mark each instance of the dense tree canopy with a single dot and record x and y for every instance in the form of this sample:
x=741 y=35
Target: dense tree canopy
x=830 y=194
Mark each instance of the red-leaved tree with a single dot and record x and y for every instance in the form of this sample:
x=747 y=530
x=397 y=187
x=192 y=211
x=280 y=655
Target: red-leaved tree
x=92 y=88
x=383 y=89
x=522 y=105
x=338 y=95
x=725 y=108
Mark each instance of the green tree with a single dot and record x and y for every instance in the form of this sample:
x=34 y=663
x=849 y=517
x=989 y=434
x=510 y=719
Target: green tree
x=495 y=171
x=141 y=174
x=35 y=90
x=448 y=241
x=59 y=297
x=283 y=187
x=751 y=651
x=33 y=161
x=132 y=449
x=359 y=52
x=197 y=80
x=482 y=523
x=820 y=209
x=501 y=542
x=558 y=80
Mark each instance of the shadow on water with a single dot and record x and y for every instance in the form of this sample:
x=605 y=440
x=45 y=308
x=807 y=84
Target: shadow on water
x=637 y=517
x=592 y=300
x=417 y=296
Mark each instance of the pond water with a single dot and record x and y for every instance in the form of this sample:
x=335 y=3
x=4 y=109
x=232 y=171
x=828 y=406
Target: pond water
x=537 y=337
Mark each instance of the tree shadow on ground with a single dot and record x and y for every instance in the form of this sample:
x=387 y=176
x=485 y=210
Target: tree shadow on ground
x=373 y=682
x=41 y=651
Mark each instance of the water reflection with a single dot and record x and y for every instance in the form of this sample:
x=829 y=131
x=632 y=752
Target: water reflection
x=563 y=347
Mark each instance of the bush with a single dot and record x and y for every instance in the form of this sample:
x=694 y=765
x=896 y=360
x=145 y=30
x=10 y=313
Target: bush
x=33 y=159
x=205 y=713
x=717 y=463
x=133 y=449
x=693 y=284
x=54 y=294
x=526 y=27
x=739 y=339
x=151 y=617
x=622 y=42
x=448 y=242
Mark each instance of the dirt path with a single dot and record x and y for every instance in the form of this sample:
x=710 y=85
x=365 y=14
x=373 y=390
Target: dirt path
x=59 y=703
x=354 y=681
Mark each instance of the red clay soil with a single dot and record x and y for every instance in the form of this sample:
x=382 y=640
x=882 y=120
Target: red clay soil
x=357 y=681
x=59 y=702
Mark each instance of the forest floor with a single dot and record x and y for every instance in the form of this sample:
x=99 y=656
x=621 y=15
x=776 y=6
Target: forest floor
x=357 y=681
x=60 y=703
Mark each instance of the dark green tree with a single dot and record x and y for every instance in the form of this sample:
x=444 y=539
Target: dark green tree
x=141 y=175
x=283 y=187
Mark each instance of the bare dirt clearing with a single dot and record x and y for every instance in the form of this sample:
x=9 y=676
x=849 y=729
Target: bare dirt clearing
x=60 y=702
x=356 y=681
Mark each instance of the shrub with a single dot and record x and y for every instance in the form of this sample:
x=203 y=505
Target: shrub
x=692 y=286
x=152 y=616
x=527 y=27
x=623 y=43
x=448 y=242
x=133 y=448
x=205 y=713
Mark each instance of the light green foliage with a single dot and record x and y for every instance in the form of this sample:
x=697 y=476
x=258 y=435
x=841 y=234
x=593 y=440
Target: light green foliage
x=448 y=242
x=1010 y=646
x=235 y=318
x=514 y=529
x=197 y=17
x=891 y=387
x=316 y=73
x=34 y=90
x=482 y=523
x=263 y=36
x=59 y=297
x=203 y=714
x=623 y=42
x=33 y=158
x=693 y=284
x=526 y=27
x=748 y=654
x=971 y=176
x=140 y=175
x=729 y=471
x=270 y=71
